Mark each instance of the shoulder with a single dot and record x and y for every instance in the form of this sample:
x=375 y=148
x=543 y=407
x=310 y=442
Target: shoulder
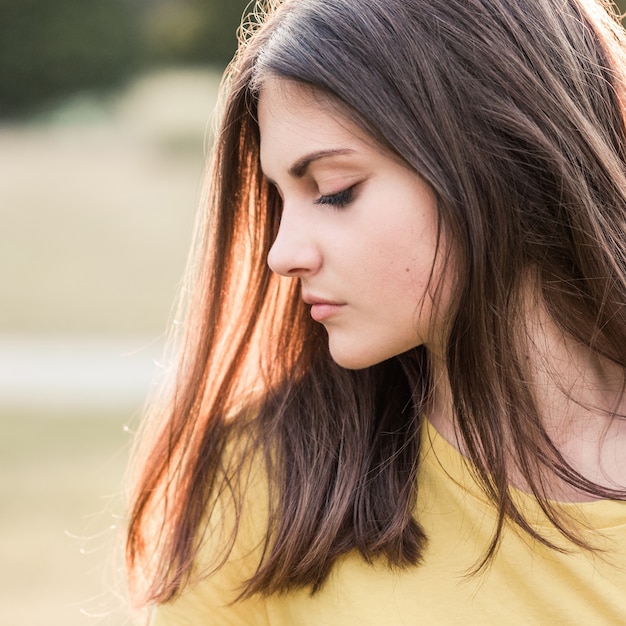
x=231 y=542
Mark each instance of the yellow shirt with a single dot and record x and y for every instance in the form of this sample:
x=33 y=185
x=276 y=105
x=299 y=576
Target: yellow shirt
x=526 y=583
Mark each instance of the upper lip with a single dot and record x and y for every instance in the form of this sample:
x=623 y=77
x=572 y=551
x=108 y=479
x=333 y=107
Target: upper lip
x=312 y=299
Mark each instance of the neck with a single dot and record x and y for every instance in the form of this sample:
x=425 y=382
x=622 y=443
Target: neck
x=575 y=390
x=579 y=397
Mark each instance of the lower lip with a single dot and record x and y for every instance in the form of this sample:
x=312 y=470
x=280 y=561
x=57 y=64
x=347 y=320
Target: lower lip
x=321 y=312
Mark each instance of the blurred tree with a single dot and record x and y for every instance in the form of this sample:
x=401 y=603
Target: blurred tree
x=52 y=48
x=49 y=48
x=192 y=31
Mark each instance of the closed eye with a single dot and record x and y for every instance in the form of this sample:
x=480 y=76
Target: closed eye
x=338 y=200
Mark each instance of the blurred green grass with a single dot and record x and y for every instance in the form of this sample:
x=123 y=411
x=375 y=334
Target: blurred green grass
x=97 y=201
x=62 y=504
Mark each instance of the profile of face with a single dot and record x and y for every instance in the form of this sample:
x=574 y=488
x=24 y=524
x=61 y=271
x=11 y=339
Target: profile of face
x=358 y=229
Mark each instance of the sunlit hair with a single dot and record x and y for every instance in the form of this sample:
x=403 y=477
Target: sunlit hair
x=512 y=111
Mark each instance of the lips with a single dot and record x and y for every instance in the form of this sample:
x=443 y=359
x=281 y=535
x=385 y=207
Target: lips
x=321 y=308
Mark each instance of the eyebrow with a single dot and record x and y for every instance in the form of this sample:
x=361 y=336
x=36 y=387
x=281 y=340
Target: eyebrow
x=300 y=167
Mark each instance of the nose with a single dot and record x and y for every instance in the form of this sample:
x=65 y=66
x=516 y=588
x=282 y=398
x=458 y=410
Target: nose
x=294 y=252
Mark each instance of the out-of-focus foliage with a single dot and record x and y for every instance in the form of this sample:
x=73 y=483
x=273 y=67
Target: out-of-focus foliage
x=53 y=48
x=192 y=31
x=49 y=48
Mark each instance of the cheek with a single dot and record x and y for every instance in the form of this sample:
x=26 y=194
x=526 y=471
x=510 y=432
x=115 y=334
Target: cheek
x=413 y=280
x=404 y=264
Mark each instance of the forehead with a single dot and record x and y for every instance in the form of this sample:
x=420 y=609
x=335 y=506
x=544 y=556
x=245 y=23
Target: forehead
x=295 y=119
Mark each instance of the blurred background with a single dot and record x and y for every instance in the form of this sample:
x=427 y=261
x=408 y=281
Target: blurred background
x=105 y=111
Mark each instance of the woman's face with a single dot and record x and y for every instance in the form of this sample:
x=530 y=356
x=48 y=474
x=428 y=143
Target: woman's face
x=358 y=229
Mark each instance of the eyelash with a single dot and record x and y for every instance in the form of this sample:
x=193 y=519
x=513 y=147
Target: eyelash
x=338 y=200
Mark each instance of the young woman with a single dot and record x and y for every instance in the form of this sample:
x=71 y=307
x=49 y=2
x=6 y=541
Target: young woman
x=400 y=395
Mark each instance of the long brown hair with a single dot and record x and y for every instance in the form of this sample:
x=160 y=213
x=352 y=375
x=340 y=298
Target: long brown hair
x=512 y=111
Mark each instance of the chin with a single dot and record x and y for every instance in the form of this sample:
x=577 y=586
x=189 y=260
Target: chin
x=358 y=357
x=353 y=360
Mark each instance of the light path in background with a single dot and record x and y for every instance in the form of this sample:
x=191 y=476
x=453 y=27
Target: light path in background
x=54 y=374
